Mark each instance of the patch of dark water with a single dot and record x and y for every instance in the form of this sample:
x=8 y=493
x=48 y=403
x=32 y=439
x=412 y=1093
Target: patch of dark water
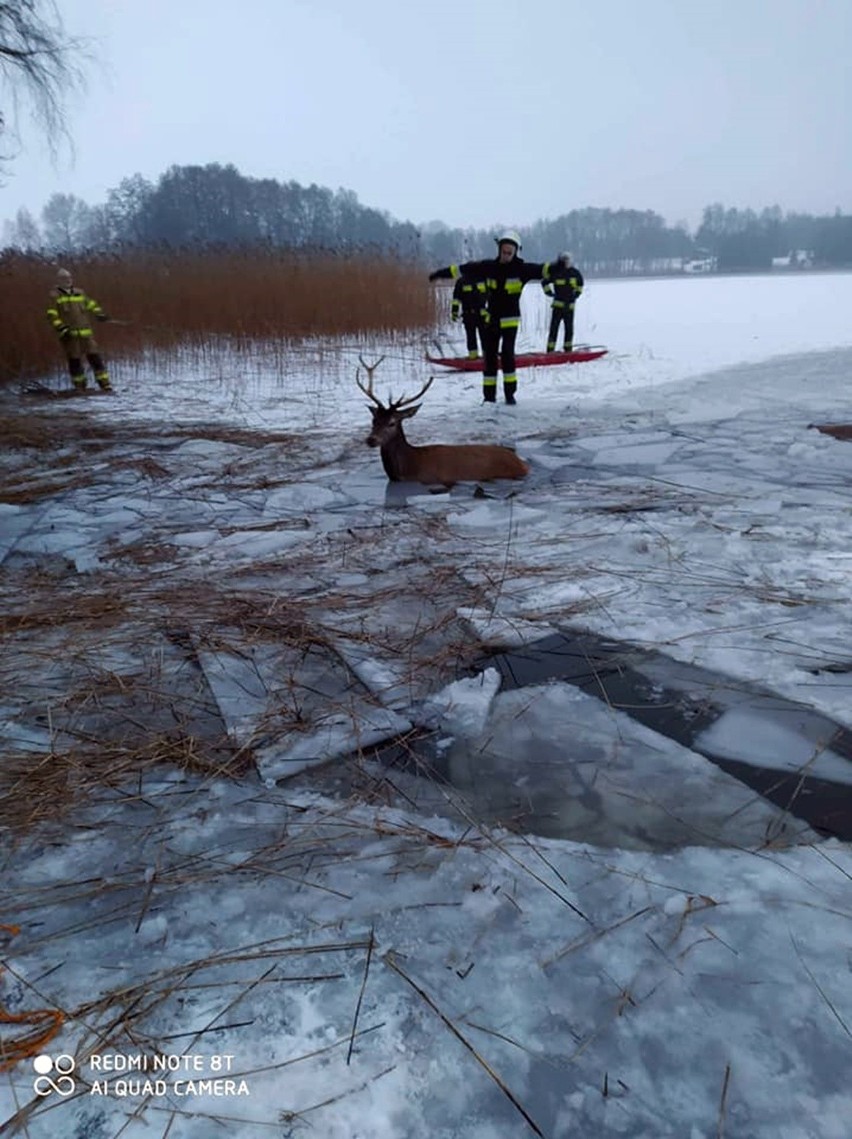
x=688 y=705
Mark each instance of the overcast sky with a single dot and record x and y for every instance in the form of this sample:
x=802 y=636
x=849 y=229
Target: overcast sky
x=469 y=111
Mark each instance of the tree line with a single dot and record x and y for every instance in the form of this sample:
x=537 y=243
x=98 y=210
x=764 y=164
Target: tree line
x=217 y=206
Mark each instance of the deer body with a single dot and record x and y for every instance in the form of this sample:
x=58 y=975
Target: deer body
x=445 y=464
x=441 y=463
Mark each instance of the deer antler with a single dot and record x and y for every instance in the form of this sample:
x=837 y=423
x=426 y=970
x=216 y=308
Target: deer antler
x=405 y=400
x=368 y=390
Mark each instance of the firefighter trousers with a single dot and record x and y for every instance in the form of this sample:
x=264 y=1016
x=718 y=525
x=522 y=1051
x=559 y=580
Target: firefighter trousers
x=78 y=373
x=557 y=316
x=498 y=346
x=473 y=331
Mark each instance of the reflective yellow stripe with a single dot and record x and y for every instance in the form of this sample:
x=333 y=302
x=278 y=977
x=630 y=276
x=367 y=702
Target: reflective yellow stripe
x=489 y=381
x=455 y=271
x=513 y=286
x=510 y=321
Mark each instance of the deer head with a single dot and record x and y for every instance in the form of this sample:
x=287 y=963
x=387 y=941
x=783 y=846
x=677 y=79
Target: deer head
x=438 y=463
x=387 y=419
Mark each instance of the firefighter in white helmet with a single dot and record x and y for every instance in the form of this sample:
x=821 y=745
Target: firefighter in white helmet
x=504 y=277
x=70 y=312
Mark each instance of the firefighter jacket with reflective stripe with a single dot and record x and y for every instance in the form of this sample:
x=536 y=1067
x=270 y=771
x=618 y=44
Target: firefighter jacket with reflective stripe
x=504 y=282
x=469 y=298
x=565 y=285
x=72 y=309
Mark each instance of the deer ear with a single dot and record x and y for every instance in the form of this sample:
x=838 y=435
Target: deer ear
x=409 y=411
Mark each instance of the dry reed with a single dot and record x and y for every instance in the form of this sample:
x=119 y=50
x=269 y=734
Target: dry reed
x=199 y=300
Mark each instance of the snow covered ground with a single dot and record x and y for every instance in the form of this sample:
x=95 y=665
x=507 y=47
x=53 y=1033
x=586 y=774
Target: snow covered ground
x=668 y=955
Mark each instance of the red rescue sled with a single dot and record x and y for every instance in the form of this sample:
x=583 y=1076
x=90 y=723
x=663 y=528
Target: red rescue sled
x=525 y=359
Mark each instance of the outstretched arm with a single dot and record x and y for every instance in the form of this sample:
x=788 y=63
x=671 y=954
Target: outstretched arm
x=542 y=271
x=475 y=270
x=95 y=309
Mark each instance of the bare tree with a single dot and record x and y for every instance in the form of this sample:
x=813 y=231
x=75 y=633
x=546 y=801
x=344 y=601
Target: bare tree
x=23 y=233
x=65 y=219
x=37 y=67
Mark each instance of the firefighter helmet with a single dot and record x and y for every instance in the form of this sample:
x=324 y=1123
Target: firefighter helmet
x=565 y=258
x=509 y=235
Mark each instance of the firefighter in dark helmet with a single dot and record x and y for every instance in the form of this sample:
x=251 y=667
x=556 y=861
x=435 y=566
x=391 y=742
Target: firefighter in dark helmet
x=565 y=286
x=70 y=312
x=504 y=277
x=469 y=306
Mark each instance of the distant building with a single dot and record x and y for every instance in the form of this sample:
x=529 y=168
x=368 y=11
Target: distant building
x=795 y=259
x=700 y=265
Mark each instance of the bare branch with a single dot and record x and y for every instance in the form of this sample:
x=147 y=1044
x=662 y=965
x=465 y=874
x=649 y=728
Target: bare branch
x=37 y=66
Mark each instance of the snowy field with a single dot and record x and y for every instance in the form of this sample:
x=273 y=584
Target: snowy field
x=585 y=929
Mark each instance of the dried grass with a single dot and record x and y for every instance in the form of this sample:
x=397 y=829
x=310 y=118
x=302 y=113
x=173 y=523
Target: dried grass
x=71 y=439
x=108 y=729
x=38 y=788
x=63 y=608
x=17 y=432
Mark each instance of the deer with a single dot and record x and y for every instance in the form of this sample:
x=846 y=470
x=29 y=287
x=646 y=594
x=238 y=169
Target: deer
x=441 y=463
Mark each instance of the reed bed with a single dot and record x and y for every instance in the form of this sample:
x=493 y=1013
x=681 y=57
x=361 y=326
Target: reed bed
x=198 y=302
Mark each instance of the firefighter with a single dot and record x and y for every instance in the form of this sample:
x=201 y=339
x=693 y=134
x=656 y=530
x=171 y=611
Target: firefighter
x=469 y=306
x=565 y=286
x=70 y=312
x=504 y=277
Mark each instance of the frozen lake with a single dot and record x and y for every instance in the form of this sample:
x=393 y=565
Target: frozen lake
x=211 y=592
